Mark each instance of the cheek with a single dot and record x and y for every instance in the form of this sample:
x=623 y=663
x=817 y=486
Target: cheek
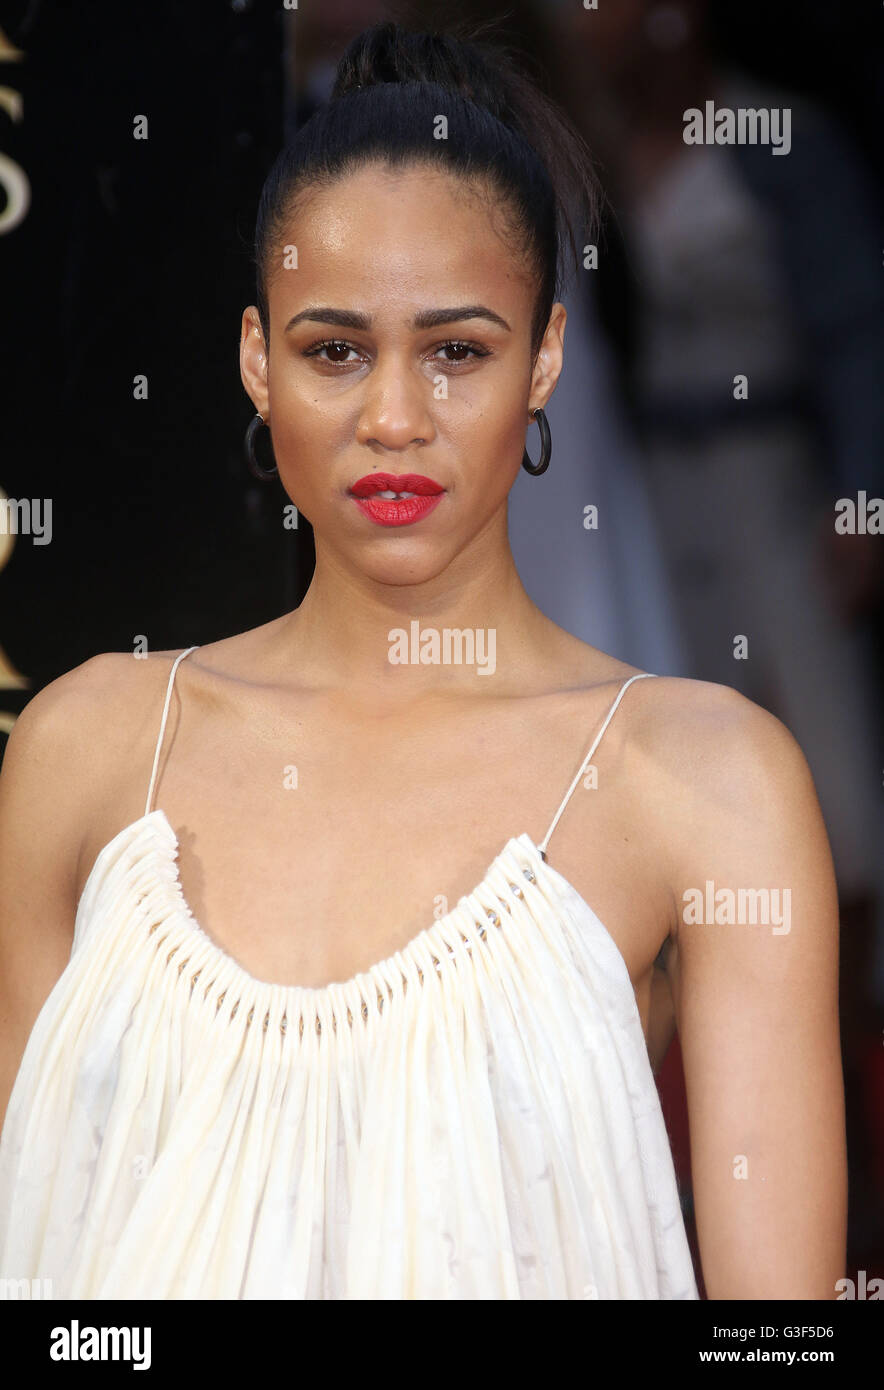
x=309 y=429
x=490 y=437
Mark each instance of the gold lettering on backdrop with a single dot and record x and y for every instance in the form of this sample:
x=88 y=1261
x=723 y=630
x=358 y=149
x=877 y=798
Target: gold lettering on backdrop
x=10 y=679
x=8 y=51
x=13 y=178
x=18 y=199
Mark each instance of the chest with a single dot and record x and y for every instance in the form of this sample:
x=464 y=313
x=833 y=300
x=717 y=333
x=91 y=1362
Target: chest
x=308 y=860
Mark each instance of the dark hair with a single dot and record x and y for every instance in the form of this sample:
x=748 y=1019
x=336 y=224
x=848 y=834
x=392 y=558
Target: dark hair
x=391 y=85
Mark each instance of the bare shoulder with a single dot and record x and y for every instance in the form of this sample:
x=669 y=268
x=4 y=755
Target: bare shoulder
x=76 y=691
x=73 y=735
x=725 y=788
x=710 y=744
x=108 y=691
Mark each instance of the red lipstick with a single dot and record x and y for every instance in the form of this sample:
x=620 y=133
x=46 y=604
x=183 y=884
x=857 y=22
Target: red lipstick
x=396 y=511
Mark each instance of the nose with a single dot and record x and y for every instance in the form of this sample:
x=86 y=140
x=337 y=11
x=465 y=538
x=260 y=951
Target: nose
x=395 y=412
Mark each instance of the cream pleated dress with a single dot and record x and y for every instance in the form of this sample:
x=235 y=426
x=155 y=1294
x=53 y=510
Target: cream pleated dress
x=474 y=1117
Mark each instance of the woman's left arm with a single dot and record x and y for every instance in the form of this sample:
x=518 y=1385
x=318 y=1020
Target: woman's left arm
x=756 y=997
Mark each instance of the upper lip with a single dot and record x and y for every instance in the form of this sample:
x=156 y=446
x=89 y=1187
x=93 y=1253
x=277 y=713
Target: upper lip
x=395 y=482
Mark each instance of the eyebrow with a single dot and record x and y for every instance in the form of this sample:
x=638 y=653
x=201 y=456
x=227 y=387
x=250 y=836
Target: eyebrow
x=425 y=318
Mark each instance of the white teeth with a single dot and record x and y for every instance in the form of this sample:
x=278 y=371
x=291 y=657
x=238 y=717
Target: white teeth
x=391 y=495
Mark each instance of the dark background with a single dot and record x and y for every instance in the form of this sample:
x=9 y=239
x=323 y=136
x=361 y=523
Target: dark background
x=135 y=258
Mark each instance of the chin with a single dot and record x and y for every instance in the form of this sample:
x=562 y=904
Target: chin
x=404 y=563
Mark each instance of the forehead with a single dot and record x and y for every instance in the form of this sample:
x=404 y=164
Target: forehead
x=404 y=234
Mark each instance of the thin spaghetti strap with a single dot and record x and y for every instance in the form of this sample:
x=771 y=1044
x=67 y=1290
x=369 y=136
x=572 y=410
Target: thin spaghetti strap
x=156 y=756
x=642 y=675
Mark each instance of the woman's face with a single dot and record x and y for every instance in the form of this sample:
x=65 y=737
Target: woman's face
x=358 y=385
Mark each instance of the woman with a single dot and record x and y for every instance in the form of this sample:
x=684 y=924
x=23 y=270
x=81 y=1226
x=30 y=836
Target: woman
x=376 y=1034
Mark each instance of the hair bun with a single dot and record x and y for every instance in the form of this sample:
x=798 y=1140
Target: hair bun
x=389 y=53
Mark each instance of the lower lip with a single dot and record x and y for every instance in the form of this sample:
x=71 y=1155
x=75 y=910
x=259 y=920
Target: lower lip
x=389 y=511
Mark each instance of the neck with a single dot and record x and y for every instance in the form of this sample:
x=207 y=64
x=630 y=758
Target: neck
x=471 y=630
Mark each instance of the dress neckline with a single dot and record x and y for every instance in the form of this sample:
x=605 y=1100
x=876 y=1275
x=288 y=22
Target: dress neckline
x=382 y=971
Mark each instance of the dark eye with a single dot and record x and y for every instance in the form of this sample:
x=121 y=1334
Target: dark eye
x=463 y=347
x=330 y=344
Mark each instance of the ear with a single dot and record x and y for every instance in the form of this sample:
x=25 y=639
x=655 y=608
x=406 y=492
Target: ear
x=253 y=360
x=550 y=358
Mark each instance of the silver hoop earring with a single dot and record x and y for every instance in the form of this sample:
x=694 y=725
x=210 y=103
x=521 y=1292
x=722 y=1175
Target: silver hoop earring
x=265 y=475
x=542 y=463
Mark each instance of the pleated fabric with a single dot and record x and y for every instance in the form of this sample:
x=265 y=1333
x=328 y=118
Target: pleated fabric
x=474 y=1117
